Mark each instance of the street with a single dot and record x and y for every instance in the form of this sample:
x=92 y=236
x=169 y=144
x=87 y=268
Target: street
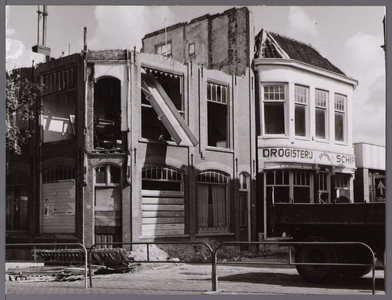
x=181 y=279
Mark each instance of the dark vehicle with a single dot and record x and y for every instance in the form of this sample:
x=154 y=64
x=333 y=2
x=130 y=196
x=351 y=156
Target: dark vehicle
x=332 y=222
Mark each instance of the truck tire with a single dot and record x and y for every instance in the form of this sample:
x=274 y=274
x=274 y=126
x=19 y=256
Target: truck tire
x=317 y=253
x=356 y=254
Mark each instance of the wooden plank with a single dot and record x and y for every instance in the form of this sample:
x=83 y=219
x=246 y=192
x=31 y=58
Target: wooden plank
x=162 y=207
x=157 y=200
x=179 y=220
x=155 y=214
x=163 y=229
x=162 y=232
x=163 y=226
x=174 y=194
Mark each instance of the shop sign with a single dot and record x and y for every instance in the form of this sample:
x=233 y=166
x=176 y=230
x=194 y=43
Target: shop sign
x=306 y=156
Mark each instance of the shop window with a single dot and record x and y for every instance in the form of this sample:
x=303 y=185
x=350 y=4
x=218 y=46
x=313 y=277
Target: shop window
x=278 y=187
x=17 y=201
x=301 y=109
x=340 y=109
x=213 y=201
x=153 y=126
x=217 y=113
x=301 y=187
x=107 y=115
x=321 y=114
x=163 y=179
x=274 y=109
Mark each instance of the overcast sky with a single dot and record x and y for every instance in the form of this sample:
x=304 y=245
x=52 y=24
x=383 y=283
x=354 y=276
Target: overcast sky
x=349 y=36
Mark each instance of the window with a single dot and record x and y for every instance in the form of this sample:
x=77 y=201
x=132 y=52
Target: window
x=321 y=114
x=164 y=49
x=323 y=187
x=191 y=48
x=152 y=127
x=301 y=187
x=107 y=115
x=342 y=185
x=340 y=104
x=108 y=175
x=274 y=109
x=163 y=179
x=278 y=187
x=57 y=173
x=213 y=201
x=301 y=103
x=163 y=210
x=217 y=111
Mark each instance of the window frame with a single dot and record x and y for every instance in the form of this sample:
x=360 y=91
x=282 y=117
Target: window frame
x=161 y=45
x=298 y=102
x=192 y=49
x=209 y=94
x=219 y=176
x=324 y=109
x=340 y=109
x=285 y=107
x=108 y=175
x=148 y=108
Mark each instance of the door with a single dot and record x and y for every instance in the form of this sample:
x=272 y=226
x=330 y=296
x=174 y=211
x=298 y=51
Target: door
x=244 y=219
x=107 y=216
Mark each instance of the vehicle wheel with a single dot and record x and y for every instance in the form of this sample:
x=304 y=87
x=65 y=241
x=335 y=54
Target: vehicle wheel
x=356 y=255
x=317 y=253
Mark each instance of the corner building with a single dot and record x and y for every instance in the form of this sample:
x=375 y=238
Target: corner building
x=304 y=126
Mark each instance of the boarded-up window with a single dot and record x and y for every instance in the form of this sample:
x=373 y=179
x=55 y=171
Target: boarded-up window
x=162 y=202
x=108 y=205
x=58 y=207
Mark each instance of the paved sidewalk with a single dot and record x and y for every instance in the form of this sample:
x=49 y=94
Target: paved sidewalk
x=187 y=279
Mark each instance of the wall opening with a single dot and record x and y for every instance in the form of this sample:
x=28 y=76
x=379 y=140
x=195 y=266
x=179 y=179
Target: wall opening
x=107 y=114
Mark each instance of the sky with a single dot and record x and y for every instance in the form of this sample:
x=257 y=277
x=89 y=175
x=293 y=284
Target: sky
x=348 y=36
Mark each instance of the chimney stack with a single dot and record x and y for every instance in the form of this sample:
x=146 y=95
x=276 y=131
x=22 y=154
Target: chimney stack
x=40 y=47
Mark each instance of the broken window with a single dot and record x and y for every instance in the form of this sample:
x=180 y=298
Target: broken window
x=59 y=116
x=164 y=49
x=107 y=114
x=163 y=108
x=217 y=111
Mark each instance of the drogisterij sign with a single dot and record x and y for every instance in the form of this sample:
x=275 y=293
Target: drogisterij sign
x=307 y=156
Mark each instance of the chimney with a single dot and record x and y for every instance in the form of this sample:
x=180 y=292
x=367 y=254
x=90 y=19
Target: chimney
x=40 y=47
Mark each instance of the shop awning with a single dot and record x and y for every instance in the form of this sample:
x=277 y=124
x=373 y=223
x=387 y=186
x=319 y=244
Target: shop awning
x=167 y=112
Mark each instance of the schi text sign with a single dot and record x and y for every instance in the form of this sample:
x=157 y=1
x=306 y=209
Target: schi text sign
x=307 y=156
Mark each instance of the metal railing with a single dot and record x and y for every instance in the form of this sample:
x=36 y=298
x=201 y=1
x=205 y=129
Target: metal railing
x=214 y=274
x=34 y=245
x=214 y=255
x=148 y=251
